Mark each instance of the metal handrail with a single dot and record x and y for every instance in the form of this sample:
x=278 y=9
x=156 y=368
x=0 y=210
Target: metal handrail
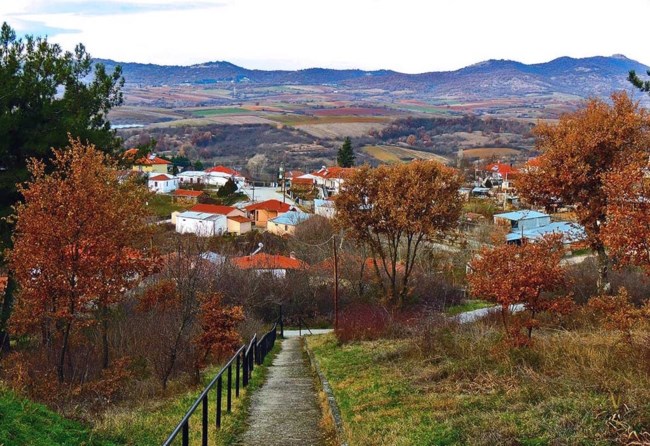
x=245 y=361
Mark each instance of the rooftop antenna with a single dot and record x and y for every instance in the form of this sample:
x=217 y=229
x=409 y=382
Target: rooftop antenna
x=260 y=245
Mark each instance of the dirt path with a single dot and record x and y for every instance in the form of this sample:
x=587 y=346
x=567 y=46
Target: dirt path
x=285 y=411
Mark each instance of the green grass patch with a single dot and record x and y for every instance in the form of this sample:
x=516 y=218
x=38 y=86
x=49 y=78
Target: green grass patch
x=468 y=305
x=151 y=422
x=163 y=205
x=455 y=385
x=23 y=422
x=206 y=112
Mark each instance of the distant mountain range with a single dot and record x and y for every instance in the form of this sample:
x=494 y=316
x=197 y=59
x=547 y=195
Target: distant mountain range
x=592 y=76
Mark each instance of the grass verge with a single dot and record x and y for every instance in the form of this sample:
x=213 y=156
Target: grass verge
x=455 y=386
x=23 y=422
x=151 y=422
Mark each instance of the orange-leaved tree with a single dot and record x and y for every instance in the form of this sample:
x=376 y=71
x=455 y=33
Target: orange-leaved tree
x=579 y=152
x=75 y=248
x=392 y=210
x=525 y=274
x=627 y=230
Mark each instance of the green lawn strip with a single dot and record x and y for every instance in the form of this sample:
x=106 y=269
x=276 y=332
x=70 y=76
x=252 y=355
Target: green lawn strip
x=468 y=305
x=389 y=394
x=150 y=423
x=23 y=422
x=220 y=111
x=163 y=206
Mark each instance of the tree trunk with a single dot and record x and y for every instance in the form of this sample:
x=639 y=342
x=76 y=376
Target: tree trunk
x=60 y=368
x=104 y=328
x=604 y=287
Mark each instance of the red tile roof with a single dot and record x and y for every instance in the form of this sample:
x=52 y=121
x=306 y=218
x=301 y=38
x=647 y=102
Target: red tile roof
x=501 y=168
x=224 y=169
x=150 y=160
x=302 y=181
x=240 y=219
x=188 y=193
x=334 y=172
x=161 y=177
x=293 y=174
x=213 y=209
x=269 y=205
x=268 y=261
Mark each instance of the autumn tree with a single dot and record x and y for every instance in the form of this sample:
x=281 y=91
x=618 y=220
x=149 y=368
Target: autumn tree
x=579 y=152
x=393 y=210
x=75 y=247
x=627 y=230
x=345 y=156
x=519 y=274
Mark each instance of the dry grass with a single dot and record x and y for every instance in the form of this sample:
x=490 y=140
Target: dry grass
x=457 y=385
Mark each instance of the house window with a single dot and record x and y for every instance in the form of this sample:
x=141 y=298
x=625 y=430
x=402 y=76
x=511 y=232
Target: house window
x=155 y=183
x=285 y=227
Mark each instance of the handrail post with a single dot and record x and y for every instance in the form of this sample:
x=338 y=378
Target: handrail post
x=237 y=377
x=229 y=392
x=219 y=385
x=186 y=433
x=204 y=427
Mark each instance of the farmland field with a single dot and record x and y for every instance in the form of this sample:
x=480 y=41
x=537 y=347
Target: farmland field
x=486 y=152
x=395 y=154
x=202 y=113
x=339 y=130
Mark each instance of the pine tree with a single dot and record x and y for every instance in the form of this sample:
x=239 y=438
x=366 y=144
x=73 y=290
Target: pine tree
x=345 y=156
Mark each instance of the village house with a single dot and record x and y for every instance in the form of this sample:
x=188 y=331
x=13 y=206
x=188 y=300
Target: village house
x=286 y=223
x=276 y=265
x=188 y=196
x=532 y=225
x=152 y=163
x=237 y=221
x=325 y=208
x=192 y=177
x=162 y=183
x=264 y=211
x=329 y=179
x=201 y=223
x=219 y=175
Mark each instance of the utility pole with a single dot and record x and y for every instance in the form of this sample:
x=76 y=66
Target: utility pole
x=336 y=285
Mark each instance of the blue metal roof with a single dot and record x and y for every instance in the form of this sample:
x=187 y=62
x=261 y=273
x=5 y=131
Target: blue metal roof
x=291 y=218
x=323 y=203
x=571 y=232
x=521 y=215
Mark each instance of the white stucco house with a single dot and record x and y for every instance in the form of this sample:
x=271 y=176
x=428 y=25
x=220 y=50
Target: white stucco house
x=162 y=183
x=201 y=223
x=192 y=177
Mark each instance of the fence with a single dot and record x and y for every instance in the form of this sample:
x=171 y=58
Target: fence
x=242 y=363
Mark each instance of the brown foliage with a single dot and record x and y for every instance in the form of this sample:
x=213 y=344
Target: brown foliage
x=618 y=313
x=526 y=274
x=74 y=247
x=579 y=153
x=393 y=209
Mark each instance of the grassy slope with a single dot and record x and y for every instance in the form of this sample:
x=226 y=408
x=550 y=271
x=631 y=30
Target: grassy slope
x=23 y=422
x=465 y=391
x=151 y=422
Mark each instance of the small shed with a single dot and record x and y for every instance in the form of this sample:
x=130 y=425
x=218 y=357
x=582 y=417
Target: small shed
x=522 y=220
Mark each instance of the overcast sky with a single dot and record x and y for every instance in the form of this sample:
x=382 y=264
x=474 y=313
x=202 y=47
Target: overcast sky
x=410 y=36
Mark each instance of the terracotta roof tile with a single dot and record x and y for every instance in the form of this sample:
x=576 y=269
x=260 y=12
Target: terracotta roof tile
x=223 y=169
x=240 y=219
x=161 y=177
x=269 y=205
x=213 y=209
x=268 y=261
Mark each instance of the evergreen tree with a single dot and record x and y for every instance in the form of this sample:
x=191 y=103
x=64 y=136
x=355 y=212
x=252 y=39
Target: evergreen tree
x=345 y=156
x=198 y=165
x=227 y=189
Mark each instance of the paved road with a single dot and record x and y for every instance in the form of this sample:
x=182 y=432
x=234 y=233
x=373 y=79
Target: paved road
x=285 y=411
x=305 y=332
x=265 y=193
x=471 y=316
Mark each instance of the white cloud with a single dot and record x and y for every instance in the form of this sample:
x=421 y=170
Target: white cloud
x=406 y=35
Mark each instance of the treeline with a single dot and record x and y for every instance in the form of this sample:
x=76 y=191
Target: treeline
x=435 y=132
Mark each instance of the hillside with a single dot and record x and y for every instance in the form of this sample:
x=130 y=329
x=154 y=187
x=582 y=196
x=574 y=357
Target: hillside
x=593 y=76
